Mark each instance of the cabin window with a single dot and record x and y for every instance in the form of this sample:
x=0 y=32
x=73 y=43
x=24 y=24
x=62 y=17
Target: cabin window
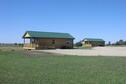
x=53 y=41
x=68 y=42
x=32 y=40
x=37 y=40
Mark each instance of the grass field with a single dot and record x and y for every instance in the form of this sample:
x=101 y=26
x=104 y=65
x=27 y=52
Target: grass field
x=27 y=67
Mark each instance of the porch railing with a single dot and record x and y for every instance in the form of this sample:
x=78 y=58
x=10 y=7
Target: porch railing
x=28 y=45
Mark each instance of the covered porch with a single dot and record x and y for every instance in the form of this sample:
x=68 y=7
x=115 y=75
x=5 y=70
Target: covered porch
x=29 y=43
x=87 y=44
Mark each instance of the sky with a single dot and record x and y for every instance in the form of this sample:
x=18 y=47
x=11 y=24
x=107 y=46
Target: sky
x=104 y=19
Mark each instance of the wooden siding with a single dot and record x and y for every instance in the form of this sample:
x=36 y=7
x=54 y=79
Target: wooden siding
x=49 y=43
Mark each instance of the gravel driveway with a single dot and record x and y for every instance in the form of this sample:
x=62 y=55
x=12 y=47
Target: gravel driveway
x=97 y=51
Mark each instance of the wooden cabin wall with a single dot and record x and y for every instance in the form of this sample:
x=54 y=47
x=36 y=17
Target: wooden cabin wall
x=53 y=43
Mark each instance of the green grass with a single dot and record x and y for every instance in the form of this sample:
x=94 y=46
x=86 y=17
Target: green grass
x=20 y=68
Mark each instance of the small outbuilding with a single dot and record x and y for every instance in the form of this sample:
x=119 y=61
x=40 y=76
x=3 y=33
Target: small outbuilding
x=93 y=42
x=47 y=40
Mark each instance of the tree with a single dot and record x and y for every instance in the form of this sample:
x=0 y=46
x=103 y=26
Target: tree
x=78 y=44
x=20 y=45
x=109 y=43
x=15 y=44
x=124 y=42
x=121 y=42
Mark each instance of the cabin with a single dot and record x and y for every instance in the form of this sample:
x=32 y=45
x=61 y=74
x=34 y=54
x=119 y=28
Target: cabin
x=93 y=42
x=47 y=40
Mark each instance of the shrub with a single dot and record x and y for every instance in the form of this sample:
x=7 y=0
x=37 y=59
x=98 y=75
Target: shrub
x=65 y=47
x=78 y=44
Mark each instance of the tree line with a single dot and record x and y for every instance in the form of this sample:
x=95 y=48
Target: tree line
x=12 y=44
x=117 y=43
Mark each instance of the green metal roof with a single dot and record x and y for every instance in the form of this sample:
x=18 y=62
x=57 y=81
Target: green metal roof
x=38 y=34
x=93 y=39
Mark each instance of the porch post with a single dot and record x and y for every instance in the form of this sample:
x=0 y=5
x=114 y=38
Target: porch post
x=30 y=42
x=72 y=43
x=24 y=42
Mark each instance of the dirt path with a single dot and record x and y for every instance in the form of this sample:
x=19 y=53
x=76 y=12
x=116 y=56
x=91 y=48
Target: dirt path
x=97 y=51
